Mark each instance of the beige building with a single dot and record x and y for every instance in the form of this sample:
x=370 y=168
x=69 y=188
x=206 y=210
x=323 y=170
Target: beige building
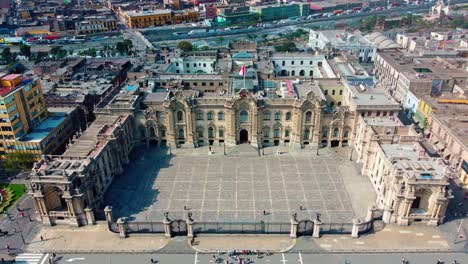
x=67 y=186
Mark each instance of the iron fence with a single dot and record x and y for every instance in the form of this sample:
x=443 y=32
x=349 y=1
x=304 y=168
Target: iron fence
x=305 y=228
x=145 y=227
x=336 y=228
x=241 y=228
x=365 y=227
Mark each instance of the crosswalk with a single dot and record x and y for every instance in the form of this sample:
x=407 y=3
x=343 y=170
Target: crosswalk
x=31 y=258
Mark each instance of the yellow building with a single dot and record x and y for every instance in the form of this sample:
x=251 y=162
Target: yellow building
x=24 y=122
x=142 y=19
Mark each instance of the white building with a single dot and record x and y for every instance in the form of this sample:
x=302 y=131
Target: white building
x=331 y=41
x=301 y=64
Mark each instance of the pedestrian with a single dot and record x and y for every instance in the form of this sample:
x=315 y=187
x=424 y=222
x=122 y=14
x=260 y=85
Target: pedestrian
x=54 y=255
x=14 y=230
x=50 y=261
x=152 y=260
x=264 y=212
x=22 y=214
x=300 y=208
x=42 y=239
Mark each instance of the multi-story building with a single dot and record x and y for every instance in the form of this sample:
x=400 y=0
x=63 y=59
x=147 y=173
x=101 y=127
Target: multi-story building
x=25 y=124
x=158 y=17
x=95 y=24
x=333 y=42
x=276 y=12
x=301 y=65
x=84 y=171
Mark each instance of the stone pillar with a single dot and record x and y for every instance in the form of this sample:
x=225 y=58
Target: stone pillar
x=108 y=214
x=355 y=230
x=190 y=228
x=316 y=231
x=122 y=227
x=387 y=214
x=44 y=214
x=370 y=213
x=90 y=216
x=167 y=227
x=293 y=232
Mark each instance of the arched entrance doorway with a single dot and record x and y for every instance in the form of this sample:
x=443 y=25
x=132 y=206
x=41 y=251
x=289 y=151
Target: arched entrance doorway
x=243 y=136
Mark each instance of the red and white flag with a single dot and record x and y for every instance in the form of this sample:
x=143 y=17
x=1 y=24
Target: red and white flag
x=242 y=71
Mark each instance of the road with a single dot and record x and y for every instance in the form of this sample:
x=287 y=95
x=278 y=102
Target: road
x=155 y=36
x=286 y=258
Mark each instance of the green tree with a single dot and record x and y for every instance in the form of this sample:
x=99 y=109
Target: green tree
x=92 y=52
x=120 y=47
x=286 y=46
x=41 y=55
x=25 y=50
x=8 y=56
x=58 y=52
x=18 y=161
x=185 y=46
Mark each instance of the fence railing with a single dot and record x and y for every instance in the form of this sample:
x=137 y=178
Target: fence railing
x=190 y=228
x=240 y=228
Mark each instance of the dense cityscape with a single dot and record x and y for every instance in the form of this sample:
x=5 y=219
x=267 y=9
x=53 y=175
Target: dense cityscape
x=228 y=131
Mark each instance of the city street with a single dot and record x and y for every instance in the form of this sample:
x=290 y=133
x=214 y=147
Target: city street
x=331 y=258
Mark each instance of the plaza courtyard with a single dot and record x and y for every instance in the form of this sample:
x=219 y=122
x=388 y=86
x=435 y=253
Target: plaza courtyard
x=239 y=187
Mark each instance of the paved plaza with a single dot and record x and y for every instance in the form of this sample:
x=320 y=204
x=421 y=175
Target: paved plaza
x=225 y=188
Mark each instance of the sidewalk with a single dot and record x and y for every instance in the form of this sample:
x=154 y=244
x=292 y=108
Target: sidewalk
x=96 y=238
x=392 y=238
x=223 y=243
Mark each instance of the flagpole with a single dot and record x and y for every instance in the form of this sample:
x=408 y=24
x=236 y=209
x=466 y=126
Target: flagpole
x=245 y=73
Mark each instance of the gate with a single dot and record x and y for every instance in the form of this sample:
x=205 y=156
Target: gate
x=241 y=228
x=178 y=228
x=305 y=228
x=336 y=228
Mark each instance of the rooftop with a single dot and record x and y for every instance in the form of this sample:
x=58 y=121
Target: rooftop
x=412 y=162
x=135 y=13
x=38 y=133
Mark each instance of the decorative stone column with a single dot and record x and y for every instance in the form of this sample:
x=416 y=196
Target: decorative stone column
x=90 y=216
x=190 y=225
x=355 y=230
x=167 y=225
x=108 y=214
x=387 y=214
x=370 y=213
x=316 y=231
x=294 y=223
x=122 y=227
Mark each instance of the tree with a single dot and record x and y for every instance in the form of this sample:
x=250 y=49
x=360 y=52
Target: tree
x=58 y=52
x=120 y=47
x=185 y=46
x=8 y=56
x=286 y=46
x=25 y=50
x=18 y=161
x=41 y=55
x=92 y=52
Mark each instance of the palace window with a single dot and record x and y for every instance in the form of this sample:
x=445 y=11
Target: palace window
x=210 y=132
x=288 y=116
x=335 y=132
x=276 y=132
x=306 y=134
x=221 y=133
x=199 y=115
x=266 y=132
x=180 y=116
x=308 y=117
x=266 y=115
x=181 y=134
x=243 y=116
x=200 y=132
x=221 y=116
x=277 y=116
x=286 y=133
x=210 y=115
